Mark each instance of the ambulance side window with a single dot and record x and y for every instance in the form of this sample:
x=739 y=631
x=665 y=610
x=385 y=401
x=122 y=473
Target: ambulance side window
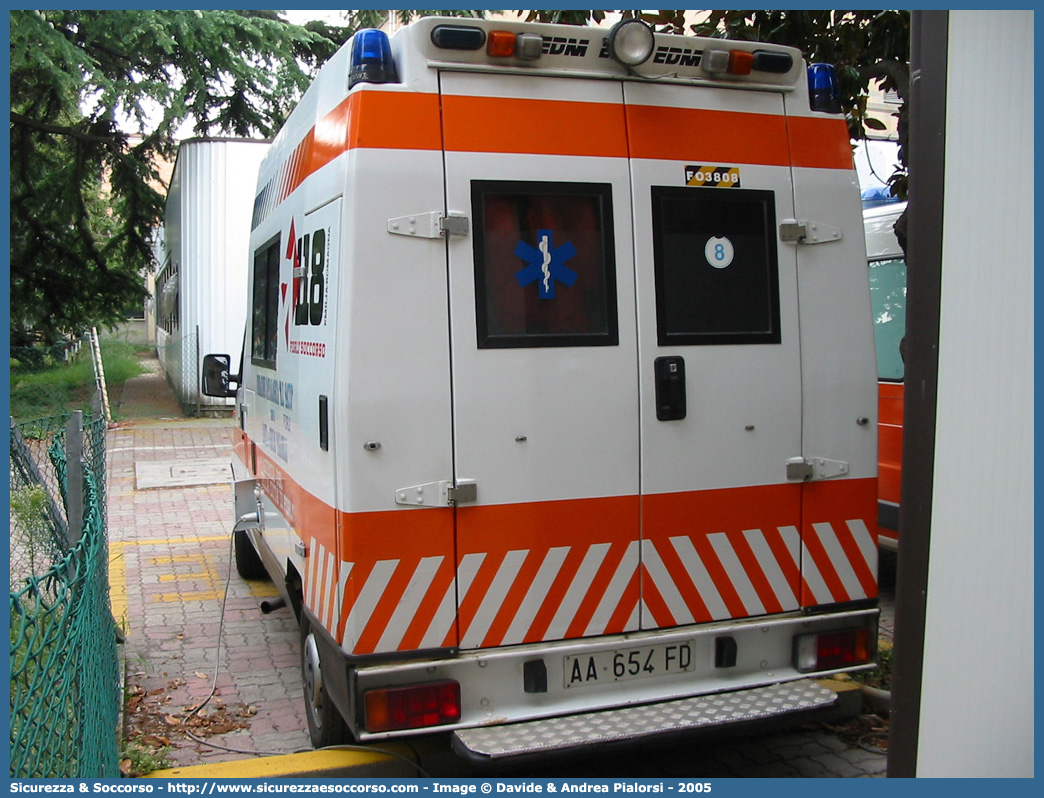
x=265 y=308
x=717 y=278
x=888 y=298
x=545 y=271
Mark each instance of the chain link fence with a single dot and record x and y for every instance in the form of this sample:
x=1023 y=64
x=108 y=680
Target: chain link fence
x=180 y=358
x=65 y=685
x=26 y=359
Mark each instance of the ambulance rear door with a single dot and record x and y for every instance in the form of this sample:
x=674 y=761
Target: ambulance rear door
x=719 y=353
x=544 y=356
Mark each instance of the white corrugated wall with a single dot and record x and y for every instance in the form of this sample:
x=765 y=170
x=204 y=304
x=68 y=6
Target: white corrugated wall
x=976 y=714
x=207 y=221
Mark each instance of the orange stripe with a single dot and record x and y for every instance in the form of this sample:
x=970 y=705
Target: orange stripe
x=382 y=613
x=589 y=604
x=678 y=134
x=840 y=500
x=468 y=606
x=408 y=535
x=866 y=578
x=683 y=581
x=820 y=142
x=787 y=564
x=826 y=569
x=513 y=600
x=555 y=595
x=539 y=527
x=720 y=577
x=628 y=602
x=660 y=614
x=388 y=120
x=404 y=535
x=754 y=572
x=692 y=513
x=429 y=605
x=411 y=121
x=352 y=587
x=544 y=127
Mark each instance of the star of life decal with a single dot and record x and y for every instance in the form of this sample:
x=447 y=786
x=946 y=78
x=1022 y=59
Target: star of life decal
x=546 y=264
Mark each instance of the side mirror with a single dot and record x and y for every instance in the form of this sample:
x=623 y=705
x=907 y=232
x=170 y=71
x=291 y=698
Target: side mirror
x=216 y=378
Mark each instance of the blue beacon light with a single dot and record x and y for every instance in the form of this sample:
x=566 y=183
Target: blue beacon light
x=823 y=91
x=371 y=60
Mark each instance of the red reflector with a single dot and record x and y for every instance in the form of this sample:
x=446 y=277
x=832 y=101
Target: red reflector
x=414 y=707
x=838 y=649
x=500 y=44
x=740 y=62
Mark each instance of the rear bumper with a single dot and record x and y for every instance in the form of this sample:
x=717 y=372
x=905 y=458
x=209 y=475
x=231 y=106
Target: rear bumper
x=497 y=687
x=491 y=745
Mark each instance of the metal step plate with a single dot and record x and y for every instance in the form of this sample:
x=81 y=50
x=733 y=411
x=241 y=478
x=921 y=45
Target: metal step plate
x=632 y=723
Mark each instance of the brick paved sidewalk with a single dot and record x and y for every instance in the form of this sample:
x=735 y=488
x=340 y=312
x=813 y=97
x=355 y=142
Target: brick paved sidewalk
x=170 y=559
x=169 y=564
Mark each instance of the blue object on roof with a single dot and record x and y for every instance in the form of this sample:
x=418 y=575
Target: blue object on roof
x=877 y=195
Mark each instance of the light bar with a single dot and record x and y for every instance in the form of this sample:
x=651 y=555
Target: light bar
x=631 y=42
x=371 y=58
x=740 y=62
x=744 y=62
x=458 y=37
x=768 y=61
x=824 y=94
x=500 y=44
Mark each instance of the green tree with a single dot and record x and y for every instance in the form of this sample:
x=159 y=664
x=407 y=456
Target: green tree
x=84 y=191
x=85 y=196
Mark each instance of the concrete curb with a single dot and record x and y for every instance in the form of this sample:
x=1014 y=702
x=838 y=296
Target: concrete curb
x=329 y=763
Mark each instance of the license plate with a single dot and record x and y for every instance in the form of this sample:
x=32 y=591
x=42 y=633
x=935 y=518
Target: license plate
x=623 y=664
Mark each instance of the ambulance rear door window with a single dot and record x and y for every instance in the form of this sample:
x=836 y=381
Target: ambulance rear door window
x=714 y=252
x=545 y=272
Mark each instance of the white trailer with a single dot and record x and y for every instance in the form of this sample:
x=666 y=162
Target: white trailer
x=201 y=283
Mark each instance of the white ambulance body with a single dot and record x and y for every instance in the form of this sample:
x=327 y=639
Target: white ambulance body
x=559 y=387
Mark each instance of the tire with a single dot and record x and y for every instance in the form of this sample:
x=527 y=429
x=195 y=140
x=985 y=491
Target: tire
x=248 y=561
x=325 y=725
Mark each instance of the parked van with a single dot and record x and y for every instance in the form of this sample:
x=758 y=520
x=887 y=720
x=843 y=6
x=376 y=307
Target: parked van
x=887 y=265
x=558 y=394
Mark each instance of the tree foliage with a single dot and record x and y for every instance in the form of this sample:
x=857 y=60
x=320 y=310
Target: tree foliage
x=85 y=196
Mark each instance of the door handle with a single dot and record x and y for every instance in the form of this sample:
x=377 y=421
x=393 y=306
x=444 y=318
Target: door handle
x=670 y=387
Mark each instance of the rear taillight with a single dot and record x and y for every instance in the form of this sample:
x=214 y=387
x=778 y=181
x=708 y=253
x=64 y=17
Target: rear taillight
x=827 y=651
x=413 y=707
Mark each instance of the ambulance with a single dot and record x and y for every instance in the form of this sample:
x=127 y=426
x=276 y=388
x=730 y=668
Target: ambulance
x=556 y=417
x=887 y=265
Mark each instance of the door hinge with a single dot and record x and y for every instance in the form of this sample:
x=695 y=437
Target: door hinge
x=803 y=469
x=433 y=224
x=444 y=493
x=807 y=232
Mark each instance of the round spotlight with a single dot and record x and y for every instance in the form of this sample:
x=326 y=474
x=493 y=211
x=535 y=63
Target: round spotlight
x=631 y=42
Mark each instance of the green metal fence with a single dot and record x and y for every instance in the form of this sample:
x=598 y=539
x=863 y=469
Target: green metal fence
x=65 y=686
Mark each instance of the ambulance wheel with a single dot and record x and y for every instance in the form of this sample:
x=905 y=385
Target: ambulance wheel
x=325 y=724
x=248 y=561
